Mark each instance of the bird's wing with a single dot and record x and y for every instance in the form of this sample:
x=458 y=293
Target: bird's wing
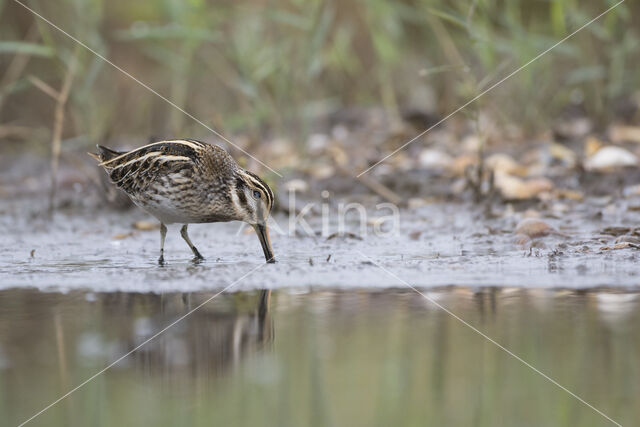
x=135 y=170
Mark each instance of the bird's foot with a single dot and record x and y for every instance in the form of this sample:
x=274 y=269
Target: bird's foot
x=197 y=260
x=161 y=262
x=197 y=254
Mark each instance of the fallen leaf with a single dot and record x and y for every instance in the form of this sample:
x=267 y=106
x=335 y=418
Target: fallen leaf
x=461 y=163
x=622 y=245
x=121 y=236
x=504 y=163
x=592 y=145
x=146 y=225
x=620 y=133
x=563 y=193
x=629 y=239
x=564 y=154
x=514 y=188
x=615 y=231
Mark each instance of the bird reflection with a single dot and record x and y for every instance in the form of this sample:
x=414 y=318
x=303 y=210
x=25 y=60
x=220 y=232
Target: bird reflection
x=210 y=340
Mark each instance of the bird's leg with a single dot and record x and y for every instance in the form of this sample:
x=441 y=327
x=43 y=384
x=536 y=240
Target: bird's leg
x=163 y=234
x=185 y=236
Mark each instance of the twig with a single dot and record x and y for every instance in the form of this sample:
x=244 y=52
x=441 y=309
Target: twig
x=44 y=87
x=375 y=186
x=381 y=189
x=58 y=122
x=340 y=160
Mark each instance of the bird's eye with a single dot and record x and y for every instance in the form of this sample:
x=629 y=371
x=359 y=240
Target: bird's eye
x=256 y=194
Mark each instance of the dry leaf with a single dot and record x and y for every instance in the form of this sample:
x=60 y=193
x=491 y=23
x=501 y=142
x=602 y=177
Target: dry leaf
x=562 y=193
x=627 y=238
x=461 y=163
x=564 y=154
x=146 y=225
x=616 y=231
x=513 y=188
x=623 y=245
x=619 y=133
x=592 y=145
x=504 y=163
x=121 y=236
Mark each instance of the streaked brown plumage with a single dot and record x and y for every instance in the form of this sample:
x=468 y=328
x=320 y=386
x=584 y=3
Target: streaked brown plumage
x=188 y=181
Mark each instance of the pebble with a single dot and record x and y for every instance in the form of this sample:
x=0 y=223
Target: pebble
x=533 y=227
x=435 y=159
x=610 y=158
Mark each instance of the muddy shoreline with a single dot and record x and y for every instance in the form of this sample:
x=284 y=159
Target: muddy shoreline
x=436 y=244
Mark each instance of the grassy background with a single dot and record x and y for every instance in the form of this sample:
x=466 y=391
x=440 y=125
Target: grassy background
x=265 y=68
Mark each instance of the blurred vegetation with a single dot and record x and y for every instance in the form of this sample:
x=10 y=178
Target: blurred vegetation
x=273 y=67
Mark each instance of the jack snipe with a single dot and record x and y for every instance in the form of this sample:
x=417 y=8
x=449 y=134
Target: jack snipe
x=188 y=181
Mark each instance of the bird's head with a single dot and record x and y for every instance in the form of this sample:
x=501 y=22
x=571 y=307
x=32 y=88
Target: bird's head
x=253 y=200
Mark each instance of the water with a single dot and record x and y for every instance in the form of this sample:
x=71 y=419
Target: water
x=327 y=357
x=331 y=335
x=437 y=245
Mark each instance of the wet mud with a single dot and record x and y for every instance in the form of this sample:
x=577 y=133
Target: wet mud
x=593 y=243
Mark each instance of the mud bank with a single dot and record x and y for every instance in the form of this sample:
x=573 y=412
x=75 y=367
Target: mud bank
x=437 y=244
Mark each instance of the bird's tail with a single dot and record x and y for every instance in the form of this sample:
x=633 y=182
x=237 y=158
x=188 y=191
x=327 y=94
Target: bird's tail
x=104 y=154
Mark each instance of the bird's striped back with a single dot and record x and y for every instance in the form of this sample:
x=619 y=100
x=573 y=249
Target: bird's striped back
x=163 y=150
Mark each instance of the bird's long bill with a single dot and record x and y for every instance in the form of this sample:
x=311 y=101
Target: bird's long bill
x=263 y=235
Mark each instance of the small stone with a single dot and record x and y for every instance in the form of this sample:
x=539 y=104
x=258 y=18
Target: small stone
x=610 y=158
x=435 y=159
x=416 y=202
x=631 y=191
x=533 y=227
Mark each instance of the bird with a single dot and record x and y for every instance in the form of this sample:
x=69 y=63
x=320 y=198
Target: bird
x=188 y=181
